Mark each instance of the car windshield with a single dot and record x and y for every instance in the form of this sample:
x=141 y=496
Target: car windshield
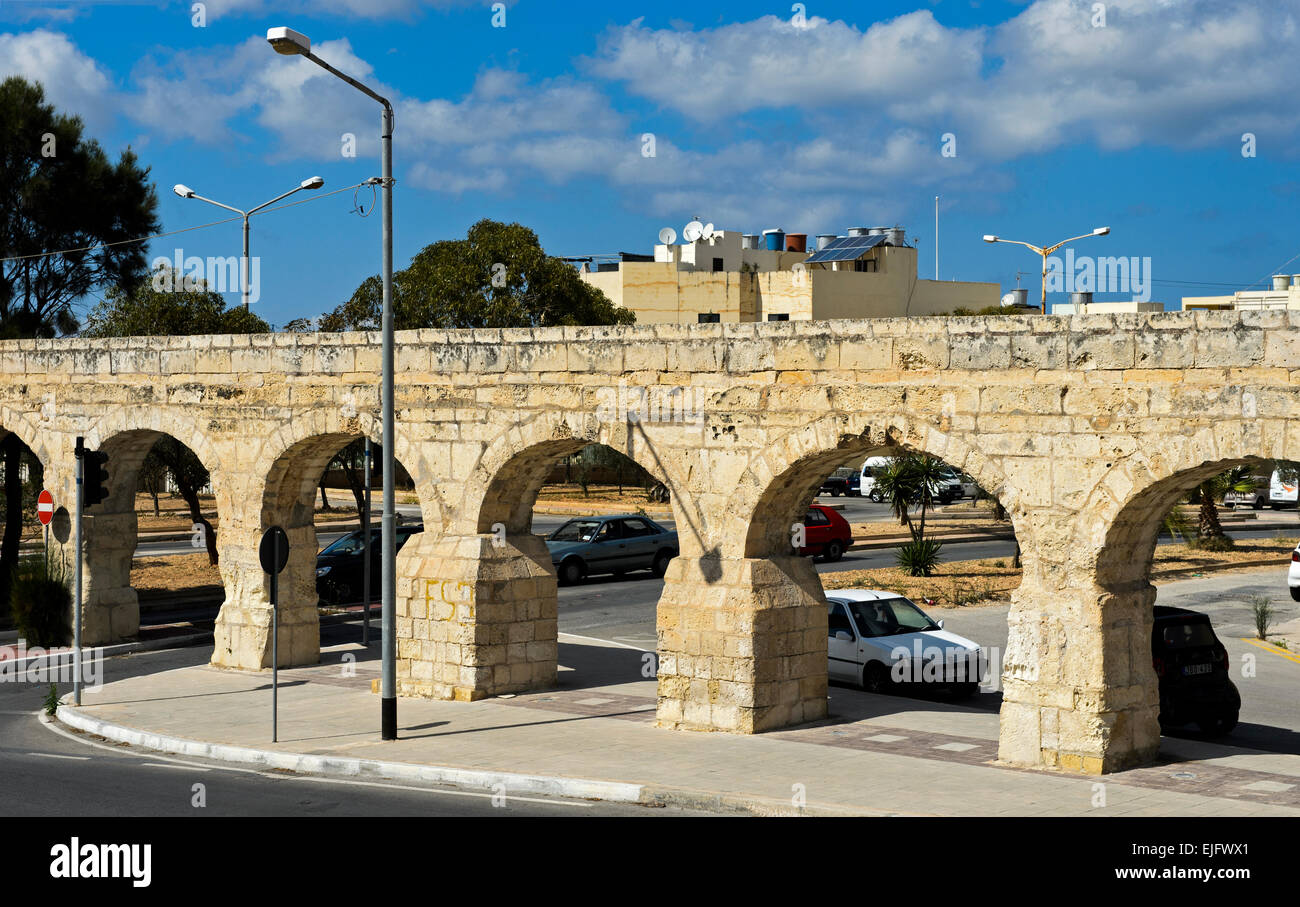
x=351 y=543
x=576 y=531
x=890 y=616
x=1187 y=634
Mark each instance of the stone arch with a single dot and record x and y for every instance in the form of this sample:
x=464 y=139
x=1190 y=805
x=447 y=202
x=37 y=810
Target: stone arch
x=30 y=432
x=507 y=477
x=112 y=610
x=784 y=476
x=1120 y=523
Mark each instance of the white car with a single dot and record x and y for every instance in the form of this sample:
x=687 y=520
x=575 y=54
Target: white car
x=880 y=639
x=1293 y=575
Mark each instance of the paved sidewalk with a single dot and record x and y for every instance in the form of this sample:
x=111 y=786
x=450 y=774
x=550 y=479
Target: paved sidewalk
x=876 y=755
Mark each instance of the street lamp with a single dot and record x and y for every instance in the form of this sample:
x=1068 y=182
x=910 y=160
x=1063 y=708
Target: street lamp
x=1100 y=231
x=186 y=192
x=290 y=43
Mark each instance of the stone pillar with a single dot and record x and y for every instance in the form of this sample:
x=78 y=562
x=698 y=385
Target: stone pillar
x=476 y=616
x=742 y=644
x=111 y=609
x=242 y=635
x=1079 y=690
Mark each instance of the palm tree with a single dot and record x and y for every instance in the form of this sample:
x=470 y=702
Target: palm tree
x=913 y=480
x=1210 y=492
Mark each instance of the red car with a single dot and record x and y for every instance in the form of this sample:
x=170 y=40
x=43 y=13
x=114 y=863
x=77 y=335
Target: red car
x=825 y=533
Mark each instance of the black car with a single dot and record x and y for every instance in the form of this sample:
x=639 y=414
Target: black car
x=339 y=567
x=842 y=481
x=1193 y=668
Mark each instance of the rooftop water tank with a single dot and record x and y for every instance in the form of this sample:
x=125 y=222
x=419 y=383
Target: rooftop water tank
x=825 y=239
x=775 y=240
x=858 y=231
x=796 y=242
x=894 y=236
x=1079 y=301
x=1281 y=281
x=750 y=241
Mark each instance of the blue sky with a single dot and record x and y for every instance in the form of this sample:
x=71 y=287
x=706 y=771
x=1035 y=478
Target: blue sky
x=811 y=117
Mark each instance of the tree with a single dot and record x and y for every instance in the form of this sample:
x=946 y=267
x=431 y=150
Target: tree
x=170 y=305
x=1209 y=531
x=497 y=277
x=914 y=480
x=60 y=194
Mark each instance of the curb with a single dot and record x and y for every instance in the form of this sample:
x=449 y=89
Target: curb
x=573 y=788
x=472 y=779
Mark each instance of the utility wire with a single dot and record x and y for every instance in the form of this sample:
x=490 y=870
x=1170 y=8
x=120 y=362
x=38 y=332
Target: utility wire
x=215 y=223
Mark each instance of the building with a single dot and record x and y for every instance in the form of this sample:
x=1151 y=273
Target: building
x=1082 y=304
x=1285 y=294
x=728 y=276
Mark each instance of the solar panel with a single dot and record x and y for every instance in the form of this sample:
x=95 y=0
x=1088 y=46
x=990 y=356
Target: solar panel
x=846 y=248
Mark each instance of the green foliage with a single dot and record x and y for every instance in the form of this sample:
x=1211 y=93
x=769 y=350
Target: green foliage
x=594 y=458
x=911 y=481
x=169 y=305
x=919 y=557
x=41 y=602
x=1177 y=524
x=52 y=700
x=497 y=277
x=986 y=310
x=1210 y=535
x=68 y=199
x=1261 y=609
x=1212 y=543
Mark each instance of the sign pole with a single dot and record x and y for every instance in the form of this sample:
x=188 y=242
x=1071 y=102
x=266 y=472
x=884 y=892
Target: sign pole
x=76 y=584
x=275 y=649
x=365 y=552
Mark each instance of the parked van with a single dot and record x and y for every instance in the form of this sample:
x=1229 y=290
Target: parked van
x=870 y=469
x=1282 y=494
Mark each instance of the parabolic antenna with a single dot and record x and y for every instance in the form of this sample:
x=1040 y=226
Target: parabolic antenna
x=709 y=232
x=1009 y=299
x=668 y=236
x=694 y=230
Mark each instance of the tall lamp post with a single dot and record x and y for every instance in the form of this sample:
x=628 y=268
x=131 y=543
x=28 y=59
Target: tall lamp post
x=186 y=192
x=1046 y=251
x=289 y=42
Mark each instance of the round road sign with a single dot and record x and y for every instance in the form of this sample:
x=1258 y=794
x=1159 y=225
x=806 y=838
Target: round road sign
x=45 y=507
x=274 y=550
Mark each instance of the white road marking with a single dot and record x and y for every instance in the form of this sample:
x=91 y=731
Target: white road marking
x=606 y=641
x=60 y=756
x=189 y=768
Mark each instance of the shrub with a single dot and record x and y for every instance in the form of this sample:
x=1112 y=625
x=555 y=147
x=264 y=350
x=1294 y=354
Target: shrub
x=1261 y=610
x=52 y=701
x=919 y=557
x=40 y=602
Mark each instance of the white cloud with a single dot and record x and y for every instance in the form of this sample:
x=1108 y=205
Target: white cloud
x=73 y=82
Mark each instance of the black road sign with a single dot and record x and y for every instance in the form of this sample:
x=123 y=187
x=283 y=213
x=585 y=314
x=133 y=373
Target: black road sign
x=274 y=550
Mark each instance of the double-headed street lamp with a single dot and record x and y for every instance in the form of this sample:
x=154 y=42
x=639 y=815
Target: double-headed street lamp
x=1100 y=231
x=186 y=192
x=289 y=42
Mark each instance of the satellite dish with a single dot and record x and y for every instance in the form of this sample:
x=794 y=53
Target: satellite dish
x=668 y=236
x=694 y=230
x=708 y=231
x=1009 y=299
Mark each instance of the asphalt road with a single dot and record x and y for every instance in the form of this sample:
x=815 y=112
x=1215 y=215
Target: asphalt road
x=46 y=773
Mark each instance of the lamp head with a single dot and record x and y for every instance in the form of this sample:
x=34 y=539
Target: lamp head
x=314 y=183
x=1101 y=231
x=287 y=41
x=183 y=191
x=989 y=238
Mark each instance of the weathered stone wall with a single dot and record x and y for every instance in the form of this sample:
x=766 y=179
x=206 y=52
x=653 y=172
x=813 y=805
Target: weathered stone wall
x=1085 y=427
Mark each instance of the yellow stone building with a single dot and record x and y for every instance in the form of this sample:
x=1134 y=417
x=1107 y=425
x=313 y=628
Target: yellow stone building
x=727 y=277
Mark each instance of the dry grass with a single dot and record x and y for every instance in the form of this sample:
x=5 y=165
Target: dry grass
x=182 y=571
x=966 y=582
x=890 y=528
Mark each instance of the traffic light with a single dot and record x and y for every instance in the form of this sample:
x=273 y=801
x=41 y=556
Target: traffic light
x=95 y=477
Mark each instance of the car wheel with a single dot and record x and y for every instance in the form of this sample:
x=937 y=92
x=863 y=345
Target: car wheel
x=342 y=594
x=965 y=690
x=875 y=678
x=1258 y=505
x=572 y=571
x=660 y=566
x=1218 y=725
x=875 y=497
x=834 y=550
x=835 y=492
x=1295 y=593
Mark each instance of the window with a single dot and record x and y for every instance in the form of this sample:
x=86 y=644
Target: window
x=634 y=528
x=776 y=317
x=708 y=318
x=837 y=620
x=815 y=518
x=865 y=264
x=717 y=265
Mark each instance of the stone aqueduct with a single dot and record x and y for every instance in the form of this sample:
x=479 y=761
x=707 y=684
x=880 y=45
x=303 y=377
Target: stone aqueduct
x=1087 y=428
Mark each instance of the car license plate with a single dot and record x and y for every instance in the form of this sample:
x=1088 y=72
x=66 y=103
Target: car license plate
x=1197 y=669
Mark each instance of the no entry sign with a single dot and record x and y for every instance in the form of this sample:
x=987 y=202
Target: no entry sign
x=45 y=507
